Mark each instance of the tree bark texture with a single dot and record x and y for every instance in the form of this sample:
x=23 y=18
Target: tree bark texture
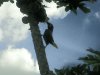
x=39 y=49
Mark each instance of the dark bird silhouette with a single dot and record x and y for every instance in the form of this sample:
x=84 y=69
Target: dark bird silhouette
x=48 y=38
x=50 y=26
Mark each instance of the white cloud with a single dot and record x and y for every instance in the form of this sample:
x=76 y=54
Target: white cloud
x=14 y=29
x=97 y=15
x=11 y=23
x=55 y=13
x=1 y=34
x=10 y=10
x=17 y=62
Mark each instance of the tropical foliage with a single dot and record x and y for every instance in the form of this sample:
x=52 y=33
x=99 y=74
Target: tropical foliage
x=92 y=59
x=75 y=70
x=35 y=11
x=91 y=65
x=73 y=5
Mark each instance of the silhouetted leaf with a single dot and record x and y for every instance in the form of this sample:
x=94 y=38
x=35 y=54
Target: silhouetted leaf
x=12 y=1
x=85 y=9
x=48 y=0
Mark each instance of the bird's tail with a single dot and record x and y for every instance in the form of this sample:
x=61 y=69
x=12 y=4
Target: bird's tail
x=55 y=45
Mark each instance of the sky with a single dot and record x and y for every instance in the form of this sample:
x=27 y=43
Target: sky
x=72 y=33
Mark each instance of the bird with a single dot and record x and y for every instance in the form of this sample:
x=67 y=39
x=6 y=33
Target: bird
x=50 y=26
x=48 y=38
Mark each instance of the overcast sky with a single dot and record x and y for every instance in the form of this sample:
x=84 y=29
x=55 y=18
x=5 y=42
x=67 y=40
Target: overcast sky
x=72 y=33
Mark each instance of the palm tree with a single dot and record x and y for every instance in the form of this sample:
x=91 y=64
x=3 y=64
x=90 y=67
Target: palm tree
x=73 y=5
x=80 y=69
x=93 y=61
x=64 y=71
x=91 y=65
x=36 y=13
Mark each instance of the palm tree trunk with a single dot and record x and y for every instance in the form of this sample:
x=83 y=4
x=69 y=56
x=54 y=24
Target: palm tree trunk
x=40 y=50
